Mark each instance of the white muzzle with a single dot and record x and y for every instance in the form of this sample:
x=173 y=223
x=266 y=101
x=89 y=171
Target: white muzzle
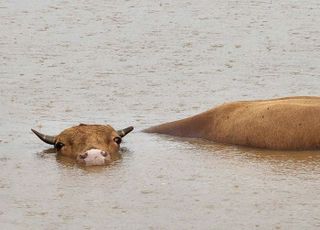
x=94 y=157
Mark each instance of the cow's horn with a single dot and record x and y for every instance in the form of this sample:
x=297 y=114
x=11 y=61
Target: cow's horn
x=125 y=131
x=48 y=139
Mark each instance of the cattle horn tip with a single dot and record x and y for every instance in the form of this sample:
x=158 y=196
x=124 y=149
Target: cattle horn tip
x=125 y=131
x=45 y=138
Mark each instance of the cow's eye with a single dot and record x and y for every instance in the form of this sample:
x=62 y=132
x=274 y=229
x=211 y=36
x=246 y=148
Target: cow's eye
x=58 y=145
x=117 y=140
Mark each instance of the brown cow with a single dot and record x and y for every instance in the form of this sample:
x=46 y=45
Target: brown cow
x=88 y=144
x=291 y=123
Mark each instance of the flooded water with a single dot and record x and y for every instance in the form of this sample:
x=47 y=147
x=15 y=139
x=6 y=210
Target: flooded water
x=142 y=63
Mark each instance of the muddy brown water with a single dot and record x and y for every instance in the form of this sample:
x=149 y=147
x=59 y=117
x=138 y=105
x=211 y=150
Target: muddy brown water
x=141 y=63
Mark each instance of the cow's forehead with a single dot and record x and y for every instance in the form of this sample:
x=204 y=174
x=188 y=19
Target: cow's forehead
x=83 y=130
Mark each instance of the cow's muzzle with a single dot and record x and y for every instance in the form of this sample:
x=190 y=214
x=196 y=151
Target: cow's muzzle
x=94 y=157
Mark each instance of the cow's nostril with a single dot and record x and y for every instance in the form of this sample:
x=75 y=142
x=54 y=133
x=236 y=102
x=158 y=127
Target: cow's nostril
x=103 y=153
x=84 y=156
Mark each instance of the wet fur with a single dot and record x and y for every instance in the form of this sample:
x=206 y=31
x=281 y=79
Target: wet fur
x=291 y=123
x=81 y=138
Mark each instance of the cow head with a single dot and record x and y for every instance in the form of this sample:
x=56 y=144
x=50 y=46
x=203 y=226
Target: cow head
x=88 y=144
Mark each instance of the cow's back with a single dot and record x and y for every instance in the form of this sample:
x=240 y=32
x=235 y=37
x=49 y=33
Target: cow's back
x=283 y=123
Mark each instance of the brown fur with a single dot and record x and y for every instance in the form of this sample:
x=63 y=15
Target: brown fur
x=284 y=123
x=81 y=138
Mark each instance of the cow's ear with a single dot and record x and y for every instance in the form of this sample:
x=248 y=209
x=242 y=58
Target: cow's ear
x=125 y=131
x=118 y=140
x=58 y=145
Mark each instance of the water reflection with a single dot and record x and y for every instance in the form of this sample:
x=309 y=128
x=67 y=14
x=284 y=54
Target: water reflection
x=279 y=160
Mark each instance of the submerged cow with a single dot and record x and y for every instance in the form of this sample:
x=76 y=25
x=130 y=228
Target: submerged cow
x=291 y=123
x=88 y=144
